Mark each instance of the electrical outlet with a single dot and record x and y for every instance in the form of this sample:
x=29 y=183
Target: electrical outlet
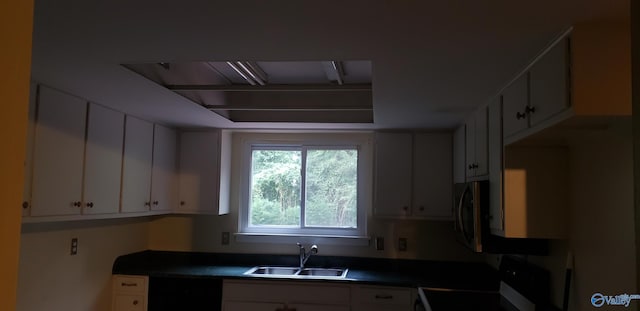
x=74 y=246
x=379 y=243
x=225 y=238
x=402 y=244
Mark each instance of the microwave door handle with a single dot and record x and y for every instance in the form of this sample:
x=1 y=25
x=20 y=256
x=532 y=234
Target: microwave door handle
x=460 y=223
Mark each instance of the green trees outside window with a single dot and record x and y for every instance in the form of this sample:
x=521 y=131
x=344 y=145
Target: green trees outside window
x=318 y=185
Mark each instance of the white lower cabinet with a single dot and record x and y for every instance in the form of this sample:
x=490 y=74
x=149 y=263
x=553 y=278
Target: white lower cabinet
x=382 y=298
x=262 y=306
x=130 y=292
x=284 y=296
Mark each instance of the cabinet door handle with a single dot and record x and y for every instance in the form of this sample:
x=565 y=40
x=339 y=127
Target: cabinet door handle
x=405 y=208
x=155 y=203
x=135 y=302
x=520 y=115
x=25 y=205
x=182 y=203
x=147 y=203
x=77 y=204
x=90 y=205
x=530 y=109
x=421 y=208
x=383 y=297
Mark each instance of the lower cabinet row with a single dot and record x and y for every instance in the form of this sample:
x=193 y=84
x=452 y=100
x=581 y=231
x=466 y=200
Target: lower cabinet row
x=138 y=293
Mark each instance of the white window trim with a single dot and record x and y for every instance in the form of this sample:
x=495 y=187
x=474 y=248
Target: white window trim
x=346 y=236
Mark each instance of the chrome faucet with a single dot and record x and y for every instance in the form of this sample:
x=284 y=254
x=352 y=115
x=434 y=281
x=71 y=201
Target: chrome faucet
x=304 y=256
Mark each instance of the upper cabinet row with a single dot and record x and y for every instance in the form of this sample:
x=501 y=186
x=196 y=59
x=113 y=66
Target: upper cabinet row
x=583 y=75
x=85 y=159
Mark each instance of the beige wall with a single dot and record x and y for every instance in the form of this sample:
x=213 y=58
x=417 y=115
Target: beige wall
x=16 y=19
x=601 y=226
x=426 y=239
x=51 y=279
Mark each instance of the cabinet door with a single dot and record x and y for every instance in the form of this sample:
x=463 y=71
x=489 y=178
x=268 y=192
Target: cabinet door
x=122 y=302
x=58 y=154
x=515 y=99
x=252 y=306
x=314 y=307
x=432 y=183
x=136 y=166
x=103 y=161
x=28 y=160
x=470 y=147
x=164 y=186
x=548 y=84
x=481 y=141
x=393 y=158
x=459 y=155
x=198 y=180
x=495 y=165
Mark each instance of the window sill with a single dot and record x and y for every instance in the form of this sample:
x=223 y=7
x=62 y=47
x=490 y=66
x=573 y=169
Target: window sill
x=242 y=237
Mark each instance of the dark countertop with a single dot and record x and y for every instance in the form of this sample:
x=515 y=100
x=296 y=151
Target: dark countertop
x=374 y=271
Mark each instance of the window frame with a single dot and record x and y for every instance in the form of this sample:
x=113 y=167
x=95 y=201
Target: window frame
x=306 y=142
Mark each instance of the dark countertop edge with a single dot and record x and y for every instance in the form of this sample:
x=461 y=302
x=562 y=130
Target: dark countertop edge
x=206 y=265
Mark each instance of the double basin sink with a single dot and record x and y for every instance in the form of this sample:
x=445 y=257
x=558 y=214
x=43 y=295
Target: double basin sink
x=298 y=273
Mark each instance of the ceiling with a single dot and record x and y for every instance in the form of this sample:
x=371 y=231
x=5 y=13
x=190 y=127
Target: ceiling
x=432 y=62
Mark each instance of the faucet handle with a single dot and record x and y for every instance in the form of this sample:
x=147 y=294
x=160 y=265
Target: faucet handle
x=299 y=245
x=314 y=249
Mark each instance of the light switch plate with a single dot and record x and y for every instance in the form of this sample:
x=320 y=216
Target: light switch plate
x=379 y=243
x=225 y=238
x=402 y=244
x=74 y=246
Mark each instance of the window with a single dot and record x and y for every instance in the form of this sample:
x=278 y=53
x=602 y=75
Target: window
x=304 y=187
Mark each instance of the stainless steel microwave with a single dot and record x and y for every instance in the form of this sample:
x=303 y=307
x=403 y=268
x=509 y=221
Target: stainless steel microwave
x=471 y=203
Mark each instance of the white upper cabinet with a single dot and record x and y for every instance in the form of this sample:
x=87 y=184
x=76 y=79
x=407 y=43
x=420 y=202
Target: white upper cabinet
x=459 y=155
x=393 y=157
x=495 y=165
x=548 y=82
x=539 y=93
x=28 y=160
x=164 y=186
x=136 y=166
x=432 y=176
x=476 y=144
x=516 y=98
x=413 y=175
x=103 y=161
x=58 y=155
x=202 y=188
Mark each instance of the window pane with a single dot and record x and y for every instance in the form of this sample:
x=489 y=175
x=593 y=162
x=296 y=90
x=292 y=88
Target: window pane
x=275 y=188
x=332 y=183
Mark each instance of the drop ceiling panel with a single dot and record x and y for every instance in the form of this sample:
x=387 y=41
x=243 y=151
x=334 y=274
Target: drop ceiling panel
x=294 y=91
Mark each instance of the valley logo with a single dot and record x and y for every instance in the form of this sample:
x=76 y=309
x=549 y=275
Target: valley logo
x=598 y=300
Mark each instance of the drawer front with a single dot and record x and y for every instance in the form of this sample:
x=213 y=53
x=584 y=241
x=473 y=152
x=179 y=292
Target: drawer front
x=286 y=292
x=129 y=303
x=383 y=295
x=129 y=284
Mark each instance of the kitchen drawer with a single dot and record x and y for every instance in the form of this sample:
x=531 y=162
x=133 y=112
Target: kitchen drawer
x=129 y=284
x=285 y=292
x=129 y=303
x=382 y=295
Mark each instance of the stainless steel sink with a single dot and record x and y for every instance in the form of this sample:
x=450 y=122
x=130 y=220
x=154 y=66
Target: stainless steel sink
x=323 y=272
x=295 y=272
x=273 y=271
